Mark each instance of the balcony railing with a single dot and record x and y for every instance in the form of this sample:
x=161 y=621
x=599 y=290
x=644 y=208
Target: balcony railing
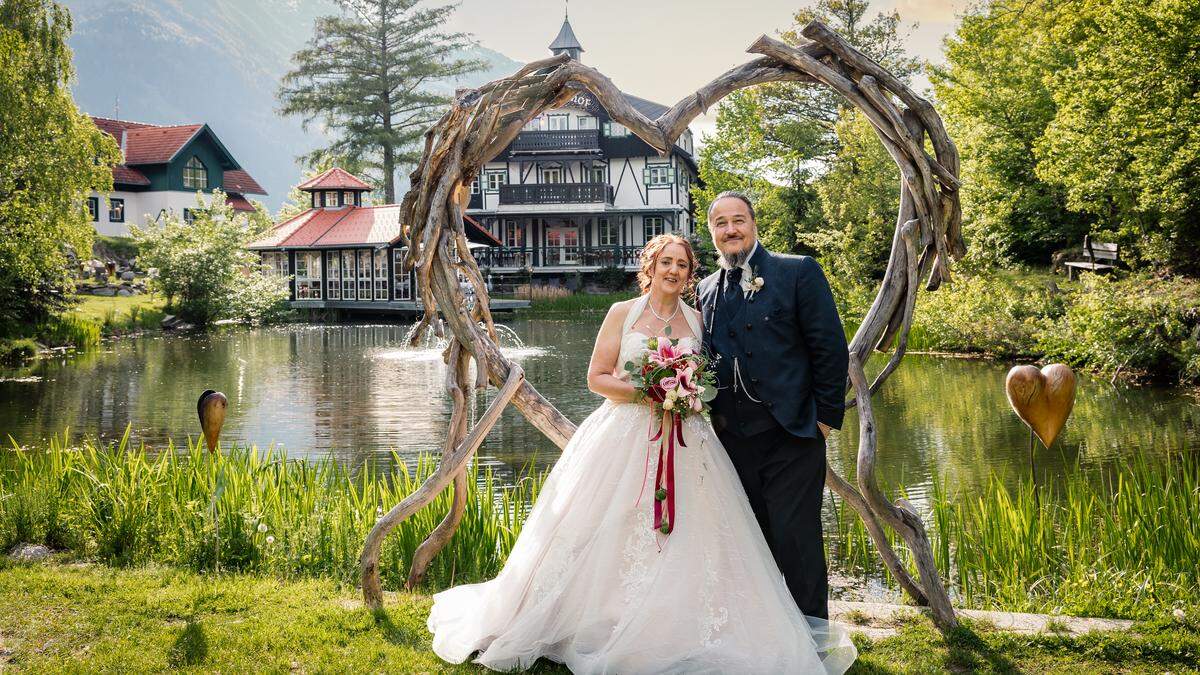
x=556 y=193
x=517 y=257
x=556 y=141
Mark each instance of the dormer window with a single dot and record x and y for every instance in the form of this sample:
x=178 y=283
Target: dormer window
x=195 y=175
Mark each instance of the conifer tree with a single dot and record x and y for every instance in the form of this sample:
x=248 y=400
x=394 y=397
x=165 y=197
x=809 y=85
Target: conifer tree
x=365 y=76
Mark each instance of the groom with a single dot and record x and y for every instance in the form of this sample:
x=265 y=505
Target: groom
x=770 y=320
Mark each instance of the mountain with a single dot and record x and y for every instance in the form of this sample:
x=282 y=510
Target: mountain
x=213 y=61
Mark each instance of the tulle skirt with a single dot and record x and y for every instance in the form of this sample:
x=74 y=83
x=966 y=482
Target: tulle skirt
x=590 y=583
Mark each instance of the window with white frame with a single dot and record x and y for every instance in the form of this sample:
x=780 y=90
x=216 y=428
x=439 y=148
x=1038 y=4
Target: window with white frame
x=475 y=186
x=658 y=175
x=684 y=186
x=652 y=226
x=333 y=275
x=513 y=234
x=606 y=232
x=116 y=210
x=195 y=174
x=364 y=275
x=535 y=124
x=275 y=264
x=348 y=275
x=586 y=122
x=93 y=207
x=381 y=275
x=615 y=129
x=402 y=279
x=551 y=174
x=308 y=275
x=557 y=122
x=495 y=179
x=596 y=173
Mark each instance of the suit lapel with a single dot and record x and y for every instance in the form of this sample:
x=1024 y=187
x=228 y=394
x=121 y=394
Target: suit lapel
x=760 y=262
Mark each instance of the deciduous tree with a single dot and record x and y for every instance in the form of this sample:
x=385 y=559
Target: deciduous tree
x=51 y=157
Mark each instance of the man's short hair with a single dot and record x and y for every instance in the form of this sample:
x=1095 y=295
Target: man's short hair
x=736 y=194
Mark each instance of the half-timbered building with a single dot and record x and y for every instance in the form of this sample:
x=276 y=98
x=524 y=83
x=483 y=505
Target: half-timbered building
x=577 y=191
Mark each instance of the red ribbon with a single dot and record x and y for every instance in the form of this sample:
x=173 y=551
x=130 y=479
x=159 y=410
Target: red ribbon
x=665 y=516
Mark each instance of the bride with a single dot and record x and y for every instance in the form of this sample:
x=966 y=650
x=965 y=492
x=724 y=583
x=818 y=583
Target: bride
x=590 y=583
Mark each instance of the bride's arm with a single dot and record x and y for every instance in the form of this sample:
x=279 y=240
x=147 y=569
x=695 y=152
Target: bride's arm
x=604 y=359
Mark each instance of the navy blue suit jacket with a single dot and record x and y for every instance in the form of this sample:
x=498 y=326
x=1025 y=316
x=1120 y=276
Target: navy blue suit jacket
x=800 y=358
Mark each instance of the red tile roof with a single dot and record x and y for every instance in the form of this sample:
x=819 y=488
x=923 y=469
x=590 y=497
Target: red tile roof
x=124 y=175
x=239 y=203
x=347 y=226
x=237 y=180
x=334 y=179
x=152 y=144
x=157 y=145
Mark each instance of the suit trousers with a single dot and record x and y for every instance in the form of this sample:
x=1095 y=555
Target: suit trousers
x=784 y=477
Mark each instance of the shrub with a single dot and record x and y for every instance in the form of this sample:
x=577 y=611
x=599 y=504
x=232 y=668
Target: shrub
x=1140 y=323
x=611 y=278
x=204 y=268
x=994 y=314
x=16 y=351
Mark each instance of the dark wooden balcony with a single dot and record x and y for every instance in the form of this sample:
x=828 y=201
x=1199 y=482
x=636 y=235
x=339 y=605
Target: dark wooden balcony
x=556 y=193
x=534 y=142
x=518 y=257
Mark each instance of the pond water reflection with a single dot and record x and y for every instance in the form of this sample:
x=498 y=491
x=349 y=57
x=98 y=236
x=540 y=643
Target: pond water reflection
x=356 y=392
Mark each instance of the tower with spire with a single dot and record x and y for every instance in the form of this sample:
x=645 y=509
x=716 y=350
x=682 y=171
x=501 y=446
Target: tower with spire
x=576 y=195
x=566 y=42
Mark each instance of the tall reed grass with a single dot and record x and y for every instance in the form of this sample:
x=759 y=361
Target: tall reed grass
x=248 y=510
x=1124 y=544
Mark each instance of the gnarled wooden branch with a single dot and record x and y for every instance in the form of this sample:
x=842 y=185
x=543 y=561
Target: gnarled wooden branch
x=483 y=121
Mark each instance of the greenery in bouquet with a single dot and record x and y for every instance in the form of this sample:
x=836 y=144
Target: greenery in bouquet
x=674 y=378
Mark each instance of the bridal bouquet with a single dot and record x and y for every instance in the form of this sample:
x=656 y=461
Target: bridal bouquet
x=677 y=382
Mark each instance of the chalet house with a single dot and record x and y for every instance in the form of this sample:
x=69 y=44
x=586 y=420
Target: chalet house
x=343 y=253
x=576 y=191
x=162 y=170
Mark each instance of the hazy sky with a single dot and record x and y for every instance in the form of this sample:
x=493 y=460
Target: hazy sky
x=665 y=49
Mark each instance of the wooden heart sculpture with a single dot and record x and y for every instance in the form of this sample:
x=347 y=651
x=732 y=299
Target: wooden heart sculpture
x=1042 y=398
x=211 y=408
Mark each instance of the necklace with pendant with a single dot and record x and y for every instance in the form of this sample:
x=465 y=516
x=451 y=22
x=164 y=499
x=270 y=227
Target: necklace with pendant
x=667 y=321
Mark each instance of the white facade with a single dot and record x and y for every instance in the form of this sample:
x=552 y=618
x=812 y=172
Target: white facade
x=117 y=210
x=574 y=181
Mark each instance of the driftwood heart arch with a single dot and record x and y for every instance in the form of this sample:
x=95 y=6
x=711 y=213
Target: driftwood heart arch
x=483 y=121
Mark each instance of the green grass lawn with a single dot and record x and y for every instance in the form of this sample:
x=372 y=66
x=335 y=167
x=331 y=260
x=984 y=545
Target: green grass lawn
x=99 y=308
x=91 y=618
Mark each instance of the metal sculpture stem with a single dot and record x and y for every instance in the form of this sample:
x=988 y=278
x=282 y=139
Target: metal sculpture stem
x=482 y=122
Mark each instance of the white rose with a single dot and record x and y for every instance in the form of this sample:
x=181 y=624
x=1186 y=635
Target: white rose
x=668 y=404
x=672 y=395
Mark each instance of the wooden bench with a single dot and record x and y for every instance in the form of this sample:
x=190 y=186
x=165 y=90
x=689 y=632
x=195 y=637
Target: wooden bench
x=1095 y=252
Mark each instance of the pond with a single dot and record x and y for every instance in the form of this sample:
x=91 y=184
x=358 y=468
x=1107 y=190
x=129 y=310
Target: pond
x=356 y=392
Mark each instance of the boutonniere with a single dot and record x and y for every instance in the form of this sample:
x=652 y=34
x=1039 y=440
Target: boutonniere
x=752 y=283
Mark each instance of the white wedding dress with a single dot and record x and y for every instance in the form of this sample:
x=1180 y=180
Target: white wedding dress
x=590 y=584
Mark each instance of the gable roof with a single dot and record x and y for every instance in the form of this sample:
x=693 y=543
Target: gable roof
x=334 y=179
x=237 y=180
x=648 y=108
x=143 y=144
x=157 y=145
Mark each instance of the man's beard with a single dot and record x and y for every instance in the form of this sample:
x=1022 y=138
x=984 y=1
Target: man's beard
x=734 y=260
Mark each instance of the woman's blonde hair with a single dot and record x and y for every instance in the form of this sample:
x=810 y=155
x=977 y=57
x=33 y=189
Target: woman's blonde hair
x=650 y=255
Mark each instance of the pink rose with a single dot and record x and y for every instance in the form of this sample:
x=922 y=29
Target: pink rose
x=697 y=405
x=668 y=383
